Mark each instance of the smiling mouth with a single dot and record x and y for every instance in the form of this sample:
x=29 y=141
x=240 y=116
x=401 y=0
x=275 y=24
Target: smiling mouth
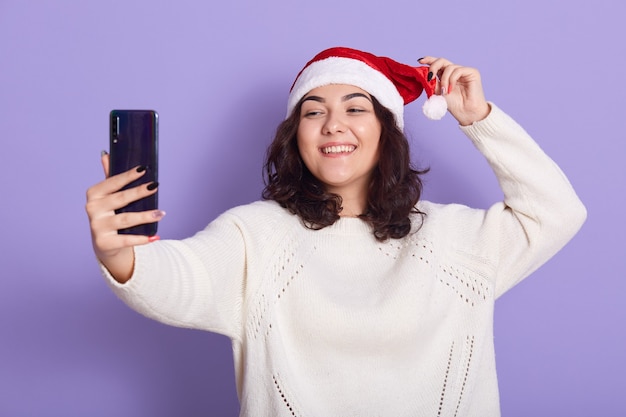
x=334 y=150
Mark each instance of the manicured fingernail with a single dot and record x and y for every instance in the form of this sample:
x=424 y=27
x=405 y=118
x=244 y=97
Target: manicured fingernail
x=141 y=168
x=153 y=185
x=419 y=59
x=444 y=90
x=158 y=214
x=430 y=75
x=103 y=152
x=154 y=238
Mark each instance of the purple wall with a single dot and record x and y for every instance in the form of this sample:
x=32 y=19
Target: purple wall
x=218 y=74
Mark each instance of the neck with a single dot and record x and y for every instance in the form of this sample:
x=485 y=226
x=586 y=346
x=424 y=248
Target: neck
x=353 y=198
x=349 y=216
x=352 y=207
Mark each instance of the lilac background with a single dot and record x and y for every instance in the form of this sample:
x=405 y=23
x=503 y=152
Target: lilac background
x=218 y=73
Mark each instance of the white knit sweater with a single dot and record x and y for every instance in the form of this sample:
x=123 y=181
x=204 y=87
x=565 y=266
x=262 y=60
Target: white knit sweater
x=332 y=323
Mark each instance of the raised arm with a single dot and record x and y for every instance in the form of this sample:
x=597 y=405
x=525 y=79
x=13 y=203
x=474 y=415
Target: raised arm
x=540 y=211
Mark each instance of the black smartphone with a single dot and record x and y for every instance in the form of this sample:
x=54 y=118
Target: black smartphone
x=133 y=142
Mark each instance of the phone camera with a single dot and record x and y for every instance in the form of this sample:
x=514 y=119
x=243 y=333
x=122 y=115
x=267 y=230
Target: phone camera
x=115 y=129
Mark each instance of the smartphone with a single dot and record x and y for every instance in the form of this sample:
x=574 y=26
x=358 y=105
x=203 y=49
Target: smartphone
x=133 y=142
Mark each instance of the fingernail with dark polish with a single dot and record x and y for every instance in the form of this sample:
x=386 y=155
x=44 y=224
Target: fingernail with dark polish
x=419 y=59
x=158 y=214
x=141 y=168
x=103 y=152
x=430 y=76
x=153 y=185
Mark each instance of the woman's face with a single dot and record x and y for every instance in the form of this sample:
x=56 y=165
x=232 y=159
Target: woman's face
x=338 y=137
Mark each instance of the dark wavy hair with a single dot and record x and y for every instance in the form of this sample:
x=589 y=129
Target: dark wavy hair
x=394 y=190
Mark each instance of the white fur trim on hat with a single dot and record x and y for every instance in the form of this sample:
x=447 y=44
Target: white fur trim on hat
x=338 y=70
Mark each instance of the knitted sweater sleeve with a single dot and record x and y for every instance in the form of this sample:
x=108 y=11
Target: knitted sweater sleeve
x=198 y=282
x=540 y=211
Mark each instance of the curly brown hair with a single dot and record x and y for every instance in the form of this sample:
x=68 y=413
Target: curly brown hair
x=394 y=190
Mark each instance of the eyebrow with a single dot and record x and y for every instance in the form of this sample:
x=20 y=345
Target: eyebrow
x=344 y=98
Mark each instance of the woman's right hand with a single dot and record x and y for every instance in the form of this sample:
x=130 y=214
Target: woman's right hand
x=114 y=250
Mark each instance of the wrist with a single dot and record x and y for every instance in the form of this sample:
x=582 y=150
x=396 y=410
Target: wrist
x=474 y=116
x=121 y=265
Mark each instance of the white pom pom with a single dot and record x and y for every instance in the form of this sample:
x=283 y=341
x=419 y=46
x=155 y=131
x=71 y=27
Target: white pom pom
x=435 y=107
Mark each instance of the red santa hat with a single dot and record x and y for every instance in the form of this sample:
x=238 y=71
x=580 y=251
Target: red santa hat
x=392 y=83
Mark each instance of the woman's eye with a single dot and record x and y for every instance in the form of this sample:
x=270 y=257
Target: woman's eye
x=312 y=113
x=355 y=110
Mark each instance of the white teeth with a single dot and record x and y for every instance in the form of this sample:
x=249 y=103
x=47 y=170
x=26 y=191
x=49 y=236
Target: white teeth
x=338 y=149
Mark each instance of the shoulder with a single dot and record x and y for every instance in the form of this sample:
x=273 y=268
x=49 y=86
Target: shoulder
x=447 y=220
x=266 y=210
x=260 y=217
x=439 y=211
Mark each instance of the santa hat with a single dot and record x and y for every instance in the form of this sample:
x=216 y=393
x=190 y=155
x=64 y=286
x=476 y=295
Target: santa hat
x=392 y=83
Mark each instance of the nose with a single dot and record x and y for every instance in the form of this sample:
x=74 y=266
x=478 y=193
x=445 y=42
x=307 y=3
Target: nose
x=333 y=124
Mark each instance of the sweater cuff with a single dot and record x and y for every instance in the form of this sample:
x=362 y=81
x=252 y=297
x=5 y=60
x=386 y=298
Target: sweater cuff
x=489 y=126
x=113 y=283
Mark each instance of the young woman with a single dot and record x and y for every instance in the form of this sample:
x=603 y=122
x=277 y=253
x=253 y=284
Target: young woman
x=343 y=293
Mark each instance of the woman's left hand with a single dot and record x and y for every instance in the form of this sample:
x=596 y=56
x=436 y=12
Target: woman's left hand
x=462 y=88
